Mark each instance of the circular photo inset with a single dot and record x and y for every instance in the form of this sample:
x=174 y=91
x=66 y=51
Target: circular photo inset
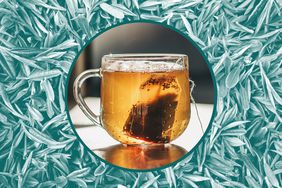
x=140 y=96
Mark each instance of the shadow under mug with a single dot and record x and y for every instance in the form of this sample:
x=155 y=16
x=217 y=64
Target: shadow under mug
x=145 y=98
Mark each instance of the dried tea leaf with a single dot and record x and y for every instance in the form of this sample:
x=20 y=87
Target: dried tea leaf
x=115 y=12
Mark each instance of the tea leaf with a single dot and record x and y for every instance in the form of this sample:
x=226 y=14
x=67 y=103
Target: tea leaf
x=100 y=170
x=150 y=182
x=112 y=10
x=38 y=137
x=78 y=173
x=270 y=175
x=197 y=178
x=37 y=76
x=234 y=141
x=233 y=78
x=27 y=162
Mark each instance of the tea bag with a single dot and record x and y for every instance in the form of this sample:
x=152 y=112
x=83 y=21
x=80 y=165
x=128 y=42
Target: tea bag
x=154 y=113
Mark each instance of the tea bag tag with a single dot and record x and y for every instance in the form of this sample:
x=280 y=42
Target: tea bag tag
x=194 y=102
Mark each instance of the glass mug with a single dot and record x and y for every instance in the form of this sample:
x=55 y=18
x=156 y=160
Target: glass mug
x=145 y=98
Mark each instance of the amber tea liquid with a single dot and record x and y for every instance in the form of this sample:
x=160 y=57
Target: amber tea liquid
x=142 y=106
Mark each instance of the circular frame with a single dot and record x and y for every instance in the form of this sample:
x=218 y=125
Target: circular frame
x=212 y=76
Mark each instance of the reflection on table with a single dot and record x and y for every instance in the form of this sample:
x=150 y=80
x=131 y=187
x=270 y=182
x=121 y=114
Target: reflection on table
x=141 y=156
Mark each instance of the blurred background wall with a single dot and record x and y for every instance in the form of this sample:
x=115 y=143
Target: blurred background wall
x=143 y=38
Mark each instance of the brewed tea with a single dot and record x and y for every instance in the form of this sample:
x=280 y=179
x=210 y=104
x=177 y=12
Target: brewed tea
x=145 y=105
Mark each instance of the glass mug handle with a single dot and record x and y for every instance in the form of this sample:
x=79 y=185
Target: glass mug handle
x=78 y=97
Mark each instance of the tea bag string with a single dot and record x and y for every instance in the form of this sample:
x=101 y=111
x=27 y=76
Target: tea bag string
x=193 y=101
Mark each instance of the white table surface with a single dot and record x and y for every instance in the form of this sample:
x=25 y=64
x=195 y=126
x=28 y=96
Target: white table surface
x=96 y=137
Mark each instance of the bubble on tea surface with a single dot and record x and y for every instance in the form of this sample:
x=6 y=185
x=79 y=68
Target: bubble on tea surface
x=142 y=66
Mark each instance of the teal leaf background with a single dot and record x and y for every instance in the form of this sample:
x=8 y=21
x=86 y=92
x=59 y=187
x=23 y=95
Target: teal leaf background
x=39 y=41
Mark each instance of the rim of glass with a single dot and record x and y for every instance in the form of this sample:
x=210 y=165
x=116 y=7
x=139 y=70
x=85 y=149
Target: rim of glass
x=145 y=56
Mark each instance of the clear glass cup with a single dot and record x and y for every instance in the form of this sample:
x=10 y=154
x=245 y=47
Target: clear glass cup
x=145 y=98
